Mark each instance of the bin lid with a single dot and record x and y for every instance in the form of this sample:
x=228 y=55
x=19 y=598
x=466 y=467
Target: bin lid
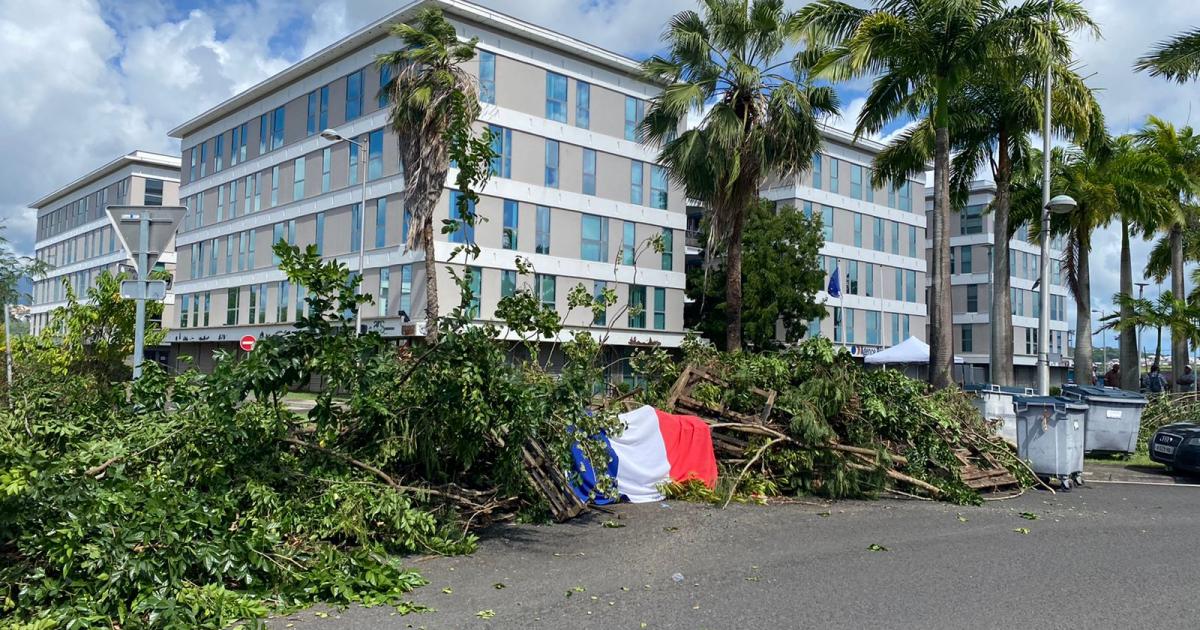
x=1020 y=391
x=1048 y=401
x=1099 y=391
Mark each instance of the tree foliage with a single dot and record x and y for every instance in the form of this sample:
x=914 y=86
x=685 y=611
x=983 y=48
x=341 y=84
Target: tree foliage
x=781 y=255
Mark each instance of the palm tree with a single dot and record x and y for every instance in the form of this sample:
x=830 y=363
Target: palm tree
x=923 y=53
x=761 y=122
x=1166 y=311
x=1180 y=150
x=1177 y=59
x=430 y=93
x=992 y=117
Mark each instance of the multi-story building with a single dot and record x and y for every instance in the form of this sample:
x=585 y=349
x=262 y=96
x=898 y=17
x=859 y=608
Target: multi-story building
x=77 y=240
x=874 y=239
x=972 y=236
x=572 y=189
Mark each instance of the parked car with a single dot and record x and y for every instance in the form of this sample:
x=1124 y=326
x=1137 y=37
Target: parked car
x=1177 y=446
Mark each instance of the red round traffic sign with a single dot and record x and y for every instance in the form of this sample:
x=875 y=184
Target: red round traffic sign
x=247 y=343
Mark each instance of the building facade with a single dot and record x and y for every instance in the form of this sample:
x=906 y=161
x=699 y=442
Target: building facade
x=572 y=190
x=76 y=239
x=874 y=240
x=972 y=236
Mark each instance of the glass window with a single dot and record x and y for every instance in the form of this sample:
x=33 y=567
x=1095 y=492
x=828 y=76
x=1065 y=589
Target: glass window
x=583 y=104
x=218 y=153
x=154 y=192
x=965 y=263
x=323 y=116
x=910 y=289
x=212 y=256
x=816 y=172
x=354 y=100
x=833 y=175
x=406 y=289
x=896 y=329
x=542 y=231
x=184 y=303
x=873 y=328
x=668 y=253
x=233 y=198
x=546 y=290
x=352 y=166
x=475 y=277
x=849 y=325
x=310 y=126
x=465 y=232
x=264 y=132
x=827 y=223
x=637 y=306
x=635 y=182
x=906 y=333
x=628 y=243
x=320 y=236
x=274 y=186
x=381 y=222
x=556 y=97
x=912 y=243
x=878 y=234
x=852 y=277
x=253 y=305
x=551 y=164
x=870 y=279
x=375 y=155
x=198 y=217
x=972 y=298
x=906 y=197
x=594 y=239
x=385 y=76
x=837 y=324
x=281 y=301
x=298 y=179
x=277 y=128
x=487 y=77
x=511 y=223
x=856 y=191
x=658 y=187
x=235 y=139
x=508 y=282
x=971 y=220
x=968 y=341
x=326 y=162
x=502 y=150
x=600 y=316
x=660 y=308
x=635 y=111
x=589 y=171
x=355 y=227
x=229 y=254
x=857 y=229
x=385 y=279
x=895 y=238
x=203 y=158
x=405 y=220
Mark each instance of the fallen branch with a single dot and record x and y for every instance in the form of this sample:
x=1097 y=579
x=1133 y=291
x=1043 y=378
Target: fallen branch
x=928 y=487
x=762 y=449
x=96 y=471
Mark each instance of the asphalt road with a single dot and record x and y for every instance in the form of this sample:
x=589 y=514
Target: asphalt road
x=1104 y=556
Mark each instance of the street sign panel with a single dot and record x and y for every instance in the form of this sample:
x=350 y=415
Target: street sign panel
x=247 y=343
x=148 y=290
x=161 y=222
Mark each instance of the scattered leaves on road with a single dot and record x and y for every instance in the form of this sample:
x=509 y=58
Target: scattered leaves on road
x=1022 y=530
x=752 y=578
x=575 y=589
x=499 y=585
x=1029 y=516
x=486 y=614
x=877 y=547
x=612 y=524
x=962 y=519
x=448 y=590
x=670 y=529
x=823 y=514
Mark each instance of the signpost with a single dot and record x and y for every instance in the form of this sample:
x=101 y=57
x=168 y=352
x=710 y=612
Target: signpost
x=247 y=343
x=145 y=232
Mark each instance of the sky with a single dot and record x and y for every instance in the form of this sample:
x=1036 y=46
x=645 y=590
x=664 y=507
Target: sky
x=89 y=80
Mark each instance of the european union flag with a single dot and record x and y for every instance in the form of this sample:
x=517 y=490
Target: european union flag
x=835 y=283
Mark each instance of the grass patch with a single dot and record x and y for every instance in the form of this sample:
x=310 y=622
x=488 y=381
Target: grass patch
x=1137 y=460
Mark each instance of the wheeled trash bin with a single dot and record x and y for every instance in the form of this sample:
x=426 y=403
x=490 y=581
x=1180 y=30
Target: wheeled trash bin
x=995 y=403
x=1050 y=436
x=1113 y=417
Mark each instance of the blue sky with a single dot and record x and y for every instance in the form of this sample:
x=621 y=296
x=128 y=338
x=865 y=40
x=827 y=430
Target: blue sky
x=92 y=79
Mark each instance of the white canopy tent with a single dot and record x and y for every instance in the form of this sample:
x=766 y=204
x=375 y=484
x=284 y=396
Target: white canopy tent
x=911 y=350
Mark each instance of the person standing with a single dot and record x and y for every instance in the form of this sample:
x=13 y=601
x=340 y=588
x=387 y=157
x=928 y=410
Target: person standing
x=1112 y=378
x=1187 y=382
x=1154 y=381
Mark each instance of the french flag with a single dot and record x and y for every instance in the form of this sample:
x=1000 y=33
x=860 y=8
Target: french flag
x=655 y=448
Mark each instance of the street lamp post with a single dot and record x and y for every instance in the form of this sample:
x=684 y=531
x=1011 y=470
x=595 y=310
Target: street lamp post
x=333 y=136
x=1059 y=205
x=1137 y=332
x=1103 y=340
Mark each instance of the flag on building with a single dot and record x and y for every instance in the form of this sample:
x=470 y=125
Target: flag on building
x=835 y=283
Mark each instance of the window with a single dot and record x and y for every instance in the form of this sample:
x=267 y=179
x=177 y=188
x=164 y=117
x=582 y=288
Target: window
x=878 y=234
x=852 y=277
x=154 y=192
x=352 y=167
x=276 y=236
x=546 y=290
x=381 y=222
x=298 y=179
x=310 y=127
x=229 y=254
x=906 y=196
x=212 y=256
x=245 y=138
x=968 y=342
x=243 y=239
x=589 y=172
x=508 y=238
x=971 y=220
x=251 y=238
x=385 y=77
x=233 y=198
x=896 y=329
x=375 y=155
x=203 y=158
x=660 y=308
x=972 y=298
x=235 y=138
x=281 y=301
x=487 y=77
x=277 y=127
x=849 y=325
x=873 y=326
x=635 y=111
x=264 y=132
x=583 y=104
x=856 y=191
x=218 y=153
x=274 y=186
x=542 y=231
x=249 y=187
x=465 y=231
x=964 y=263
x=668 y=253
x=556 y=97
x=253 y=306
x=184 y=303
x=910 y=289
x=355 y=227
x=857 y=229
x=837 y=324
x=195 y=266
x=508 y=282
x=326 y=161
x=502 y=150
x=912 y=242
x=232 y=306
x=320 y=237
x=870 y=279
x=354 y=100
x=475 y=279
x=827 y=222
x=816 y=172
x=637 y=306
x=404 y=221
x=833 y=175
x=906 y=332
x=199 y=216
x=191 y=167
x=385 y=281
x=406 y=289
x=594 y=243
x=896 y=238
x=551 y=163
x=635 y=182
x=658 y=187
x=628 y=243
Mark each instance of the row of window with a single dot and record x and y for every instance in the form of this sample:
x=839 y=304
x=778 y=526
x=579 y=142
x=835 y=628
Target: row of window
x=91 y=207
x=826 y=175
x=860 y=279
x=1021 y=264
x=1030 y=338
x=884 y=235
x=98 y=242
x=1019 y=298
x=844 y=326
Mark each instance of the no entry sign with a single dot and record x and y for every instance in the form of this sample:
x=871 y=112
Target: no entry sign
x=247 y=343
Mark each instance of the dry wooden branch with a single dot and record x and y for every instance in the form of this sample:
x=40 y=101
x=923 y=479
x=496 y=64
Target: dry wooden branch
x=96 y=471
x=762 y=449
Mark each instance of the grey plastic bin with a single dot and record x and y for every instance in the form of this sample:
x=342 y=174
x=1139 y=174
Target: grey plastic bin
x=1113 y=418
x=996 y=404
x=1050 y=435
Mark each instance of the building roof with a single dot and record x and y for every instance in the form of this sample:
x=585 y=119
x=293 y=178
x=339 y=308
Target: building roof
x=134 y=157
x=381 y=27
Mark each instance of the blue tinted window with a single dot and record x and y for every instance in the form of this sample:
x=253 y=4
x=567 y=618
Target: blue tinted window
x=487 y=77
x=583 y=105
x=354 y=85
x=556 y=97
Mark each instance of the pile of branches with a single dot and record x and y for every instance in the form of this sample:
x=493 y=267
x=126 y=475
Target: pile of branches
x=809 y=420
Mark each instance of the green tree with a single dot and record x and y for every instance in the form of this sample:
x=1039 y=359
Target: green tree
x=1176 y=314
x=923 y=54
x=1177 y=59
x=761 y=119
x=434 y=102
x=781 y=250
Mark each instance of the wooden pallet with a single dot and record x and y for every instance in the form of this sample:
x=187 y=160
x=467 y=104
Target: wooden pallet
x=980 y=471
x=681 y=400
x=549 y=480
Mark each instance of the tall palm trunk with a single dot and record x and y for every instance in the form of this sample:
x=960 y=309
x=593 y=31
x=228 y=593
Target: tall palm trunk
x=431 y=292
x=733 y=285
x=1083 y=314
x=1179 y=344
x=1001 y=359
x=1128 y=337
x=941 y=337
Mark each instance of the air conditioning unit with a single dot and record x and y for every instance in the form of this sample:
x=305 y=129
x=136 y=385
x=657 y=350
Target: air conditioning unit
x=412 y=329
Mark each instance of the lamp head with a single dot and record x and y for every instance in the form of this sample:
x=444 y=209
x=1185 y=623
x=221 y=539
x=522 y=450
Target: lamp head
x=332 y=135
x=1061 y=204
